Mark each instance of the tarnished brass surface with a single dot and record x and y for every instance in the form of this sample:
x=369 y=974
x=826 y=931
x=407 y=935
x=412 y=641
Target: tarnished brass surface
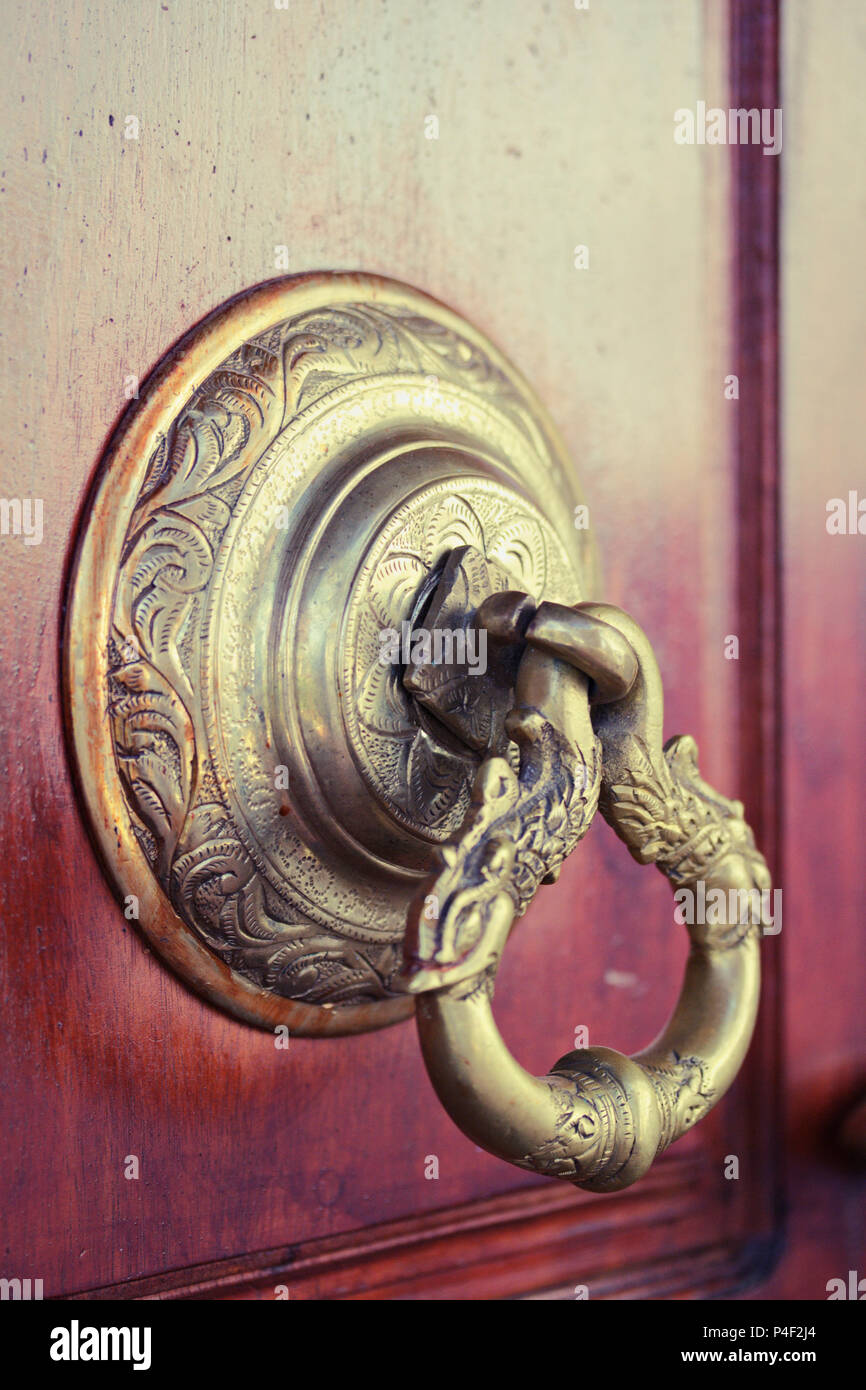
x=265 y=793
x=599 y=1118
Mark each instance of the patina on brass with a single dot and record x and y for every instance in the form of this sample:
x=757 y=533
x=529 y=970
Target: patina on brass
x=324 y=461
x=265 y=792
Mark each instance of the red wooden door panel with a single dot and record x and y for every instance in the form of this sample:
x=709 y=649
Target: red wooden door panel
x=258 y=130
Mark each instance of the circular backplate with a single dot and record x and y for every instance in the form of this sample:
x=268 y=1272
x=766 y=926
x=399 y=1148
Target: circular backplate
x=263 y=790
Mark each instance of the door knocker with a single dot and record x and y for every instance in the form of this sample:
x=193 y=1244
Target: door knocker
x=340 y=699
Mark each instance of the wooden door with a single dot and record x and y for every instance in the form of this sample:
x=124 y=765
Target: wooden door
x=160 y=158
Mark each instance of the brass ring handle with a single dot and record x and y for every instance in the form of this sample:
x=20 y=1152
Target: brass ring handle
x=599 y=1118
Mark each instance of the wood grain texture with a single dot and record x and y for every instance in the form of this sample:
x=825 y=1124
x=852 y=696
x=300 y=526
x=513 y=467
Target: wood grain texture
x=261 y=128
x=755 y=197
x=824 y=671
x=495 y=1248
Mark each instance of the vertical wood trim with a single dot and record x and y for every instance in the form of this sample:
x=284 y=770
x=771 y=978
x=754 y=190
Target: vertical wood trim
x=755 y=188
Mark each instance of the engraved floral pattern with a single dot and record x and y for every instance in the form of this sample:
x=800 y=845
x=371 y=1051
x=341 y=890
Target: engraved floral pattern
x=193 y=480
x=427 y=781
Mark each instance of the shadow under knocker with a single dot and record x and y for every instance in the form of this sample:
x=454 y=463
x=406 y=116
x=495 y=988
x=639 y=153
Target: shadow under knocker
x=587 y=720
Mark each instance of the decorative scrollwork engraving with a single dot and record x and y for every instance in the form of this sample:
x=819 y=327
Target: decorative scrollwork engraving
x=301 y=930
x=421 y=780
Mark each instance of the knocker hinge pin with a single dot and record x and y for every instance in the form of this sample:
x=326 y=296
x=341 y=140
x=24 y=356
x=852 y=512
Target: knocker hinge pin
x=596 y=648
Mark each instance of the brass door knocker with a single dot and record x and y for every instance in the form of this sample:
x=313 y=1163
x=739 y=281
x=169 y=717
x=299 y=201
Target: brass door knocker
x=599 y=1118
x=331 y=660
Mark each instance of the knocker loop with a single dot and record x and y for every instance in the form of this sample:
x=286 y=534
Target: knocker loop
x=586 y=721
